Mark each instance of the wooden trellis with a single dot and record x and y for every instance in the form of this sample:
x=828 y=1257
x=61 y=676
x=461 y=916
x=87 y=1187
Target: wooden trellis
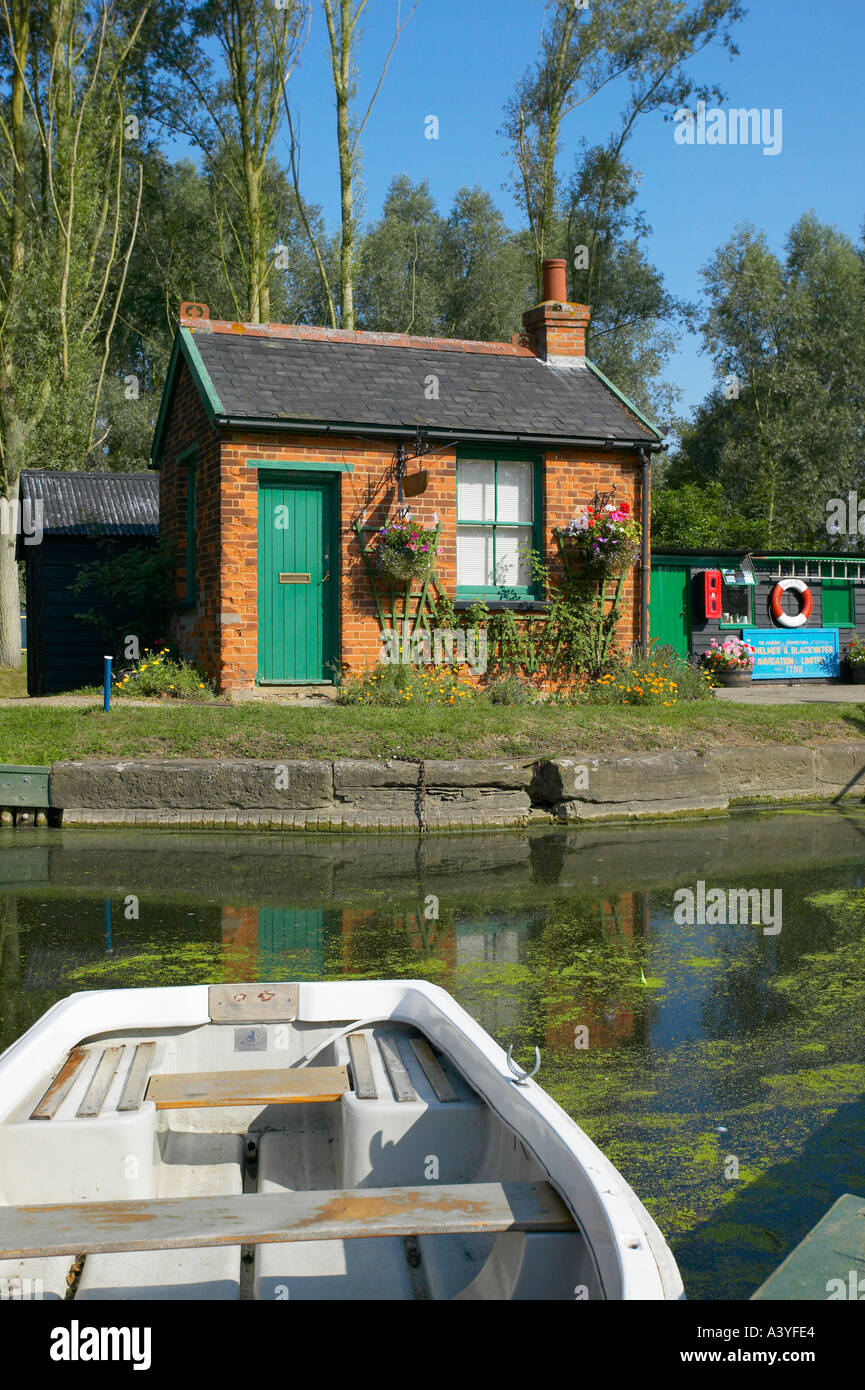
x=407 y=610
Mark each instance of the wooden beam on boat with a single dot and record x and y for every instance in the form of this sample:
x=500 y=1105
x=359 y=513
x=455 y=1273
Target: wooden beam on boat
x=264 y=1218
x=399 y=1077
x=94 y=1096
x=361 y=1067
x=136 y=1078
x=60 y=1086
x=432 y=1070
x=292 y=1086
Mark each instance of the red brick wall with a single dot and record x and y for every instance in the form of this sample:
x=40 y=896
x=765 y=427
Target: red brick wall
x=220 y=632
x=195 y=630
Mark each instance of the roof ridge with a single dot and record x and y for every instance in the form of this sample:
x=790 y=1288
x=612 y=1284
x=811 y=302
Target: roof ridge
x=315 y=333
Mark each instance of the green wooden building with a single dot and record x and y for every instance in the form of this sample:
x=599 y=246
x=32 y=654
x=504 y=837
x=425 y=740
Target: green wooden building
x=796 y=608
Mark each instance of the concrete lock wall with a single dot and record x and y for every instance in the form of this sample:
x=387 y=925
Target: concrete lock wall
x=369 y=794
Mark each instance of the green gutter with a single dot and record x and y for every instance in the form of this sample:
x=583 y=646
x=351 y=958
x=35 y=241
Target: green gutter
x=197 y=367
x=186 y=347
x=624 y=399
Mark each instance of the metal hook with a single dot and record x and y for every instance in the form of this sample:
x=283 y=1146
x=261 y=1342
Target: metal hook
x=523 y=1076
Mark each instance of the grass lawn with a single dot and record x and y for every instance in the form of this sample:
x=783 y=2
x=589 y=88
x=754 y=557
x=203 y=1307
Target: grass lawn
x=46 y=734
x=13 y=684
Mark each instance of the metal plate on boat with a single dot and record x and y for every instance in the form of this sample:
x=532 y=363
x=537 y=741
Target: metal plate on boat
x=255 y=1003
x=247 y=1039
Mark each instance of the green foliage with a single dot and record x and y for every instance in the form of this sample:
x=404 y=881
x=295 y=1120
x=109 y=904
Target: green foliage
x=398 y=683
x=511 y=690
x=160 y=673
x=139 y=581
x=696 y=516
x=780 y=435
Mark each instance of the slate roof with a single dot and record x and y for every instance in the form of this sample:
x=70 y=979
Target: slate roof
x=372 y=384
x=84 y=504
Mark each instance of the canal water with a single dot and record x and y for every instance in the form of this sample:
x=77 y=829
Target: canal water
x=719 y=1064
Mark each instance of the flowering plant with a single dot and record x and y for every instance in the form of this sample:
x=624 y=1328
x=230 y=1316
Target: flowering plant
x=607 y=538
x=405 y=549
x=730 y=655
x=856 y=652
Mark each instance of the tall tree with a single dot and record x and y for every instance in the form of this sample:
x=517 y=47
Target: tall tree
x=782 y=430
x=235 y=118
x=399 y=288
x=69 y=200
x=645 y=44
x=635 y=321
x=343 y=18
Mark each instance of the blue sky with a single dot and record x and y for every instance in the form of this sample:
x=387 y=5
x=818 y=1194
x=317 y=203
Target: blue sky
x=460 y=59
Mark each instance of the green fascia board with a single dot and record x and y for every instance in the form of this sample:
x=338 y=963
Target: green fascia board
x=626 y=401
x=300 y=466
x=184 y=347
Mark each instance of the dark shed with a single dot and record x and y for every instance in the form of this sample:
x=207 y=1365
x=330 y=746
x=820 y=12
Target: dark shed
x=63 y=515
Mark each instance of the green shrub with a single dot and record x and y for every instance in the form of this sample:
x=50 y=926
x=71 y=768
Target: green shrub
x=510 y=690
x=138 y=581
x=662 y=678
x=398 y=683
x=161 y=674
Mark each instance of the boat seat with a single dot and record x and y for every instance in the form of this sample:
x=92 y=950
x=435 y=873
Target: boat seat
x=162 y=1224
x=290 y=1086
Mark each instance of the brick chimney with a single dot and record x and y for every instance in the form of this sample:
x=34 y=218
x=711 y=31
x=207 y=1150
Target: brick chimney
x=556 y=330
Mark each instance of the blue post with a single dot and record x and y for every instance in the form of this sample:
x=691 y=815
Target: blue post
x=106 y=685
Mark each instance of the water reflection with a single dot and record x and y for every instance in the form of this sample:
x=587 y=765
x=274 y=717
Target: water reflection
x=677 y=1047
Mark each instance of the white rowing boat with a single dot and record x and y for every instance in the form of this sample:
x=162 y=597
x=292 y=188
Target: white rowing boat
x=313 y=1141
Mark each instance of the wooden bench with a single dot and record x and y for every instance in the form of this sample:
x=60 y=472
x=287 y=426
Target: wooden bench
x=289 y=1086
x=260 y=1218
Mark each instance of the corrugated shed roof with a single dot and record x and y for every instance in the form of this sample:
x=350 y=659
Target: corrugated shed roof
x=84 y=504
x=369 y=384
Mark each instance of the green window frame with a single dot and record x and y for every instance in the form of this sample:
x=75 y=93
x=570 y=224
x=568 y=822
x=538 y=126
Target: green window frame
x=188 y=463
x=515 y=593
x=745 y=619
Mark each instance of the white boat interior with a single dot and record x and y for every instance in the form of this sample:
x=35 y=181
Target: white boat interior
x=242 y=1146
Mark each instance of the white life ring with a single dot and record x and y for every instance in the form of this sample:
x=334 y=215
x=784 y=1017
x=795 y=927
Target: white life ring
x=791 y=619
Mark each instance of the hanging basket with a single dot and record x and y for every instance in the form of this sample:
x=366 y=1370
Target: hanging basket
x=400 y=567
x=601 y=567
x=405 y=552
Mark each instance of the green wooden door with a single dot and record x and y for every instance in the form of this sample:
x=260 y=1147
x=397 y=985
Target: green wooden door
x=296 y=580
x=669 y=608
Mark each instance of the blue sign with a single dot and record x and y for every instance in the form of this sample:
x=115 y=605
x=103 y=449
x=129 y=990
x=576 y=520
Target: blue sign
x=804 y=653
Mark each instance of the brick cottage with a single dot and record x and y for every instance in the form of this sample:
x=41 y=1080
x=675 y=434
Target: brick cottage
x=281 y=451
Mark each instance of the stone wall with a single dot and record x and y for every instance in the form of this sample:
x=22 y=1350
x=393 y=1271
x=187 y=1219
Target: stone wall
x=366 y=794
